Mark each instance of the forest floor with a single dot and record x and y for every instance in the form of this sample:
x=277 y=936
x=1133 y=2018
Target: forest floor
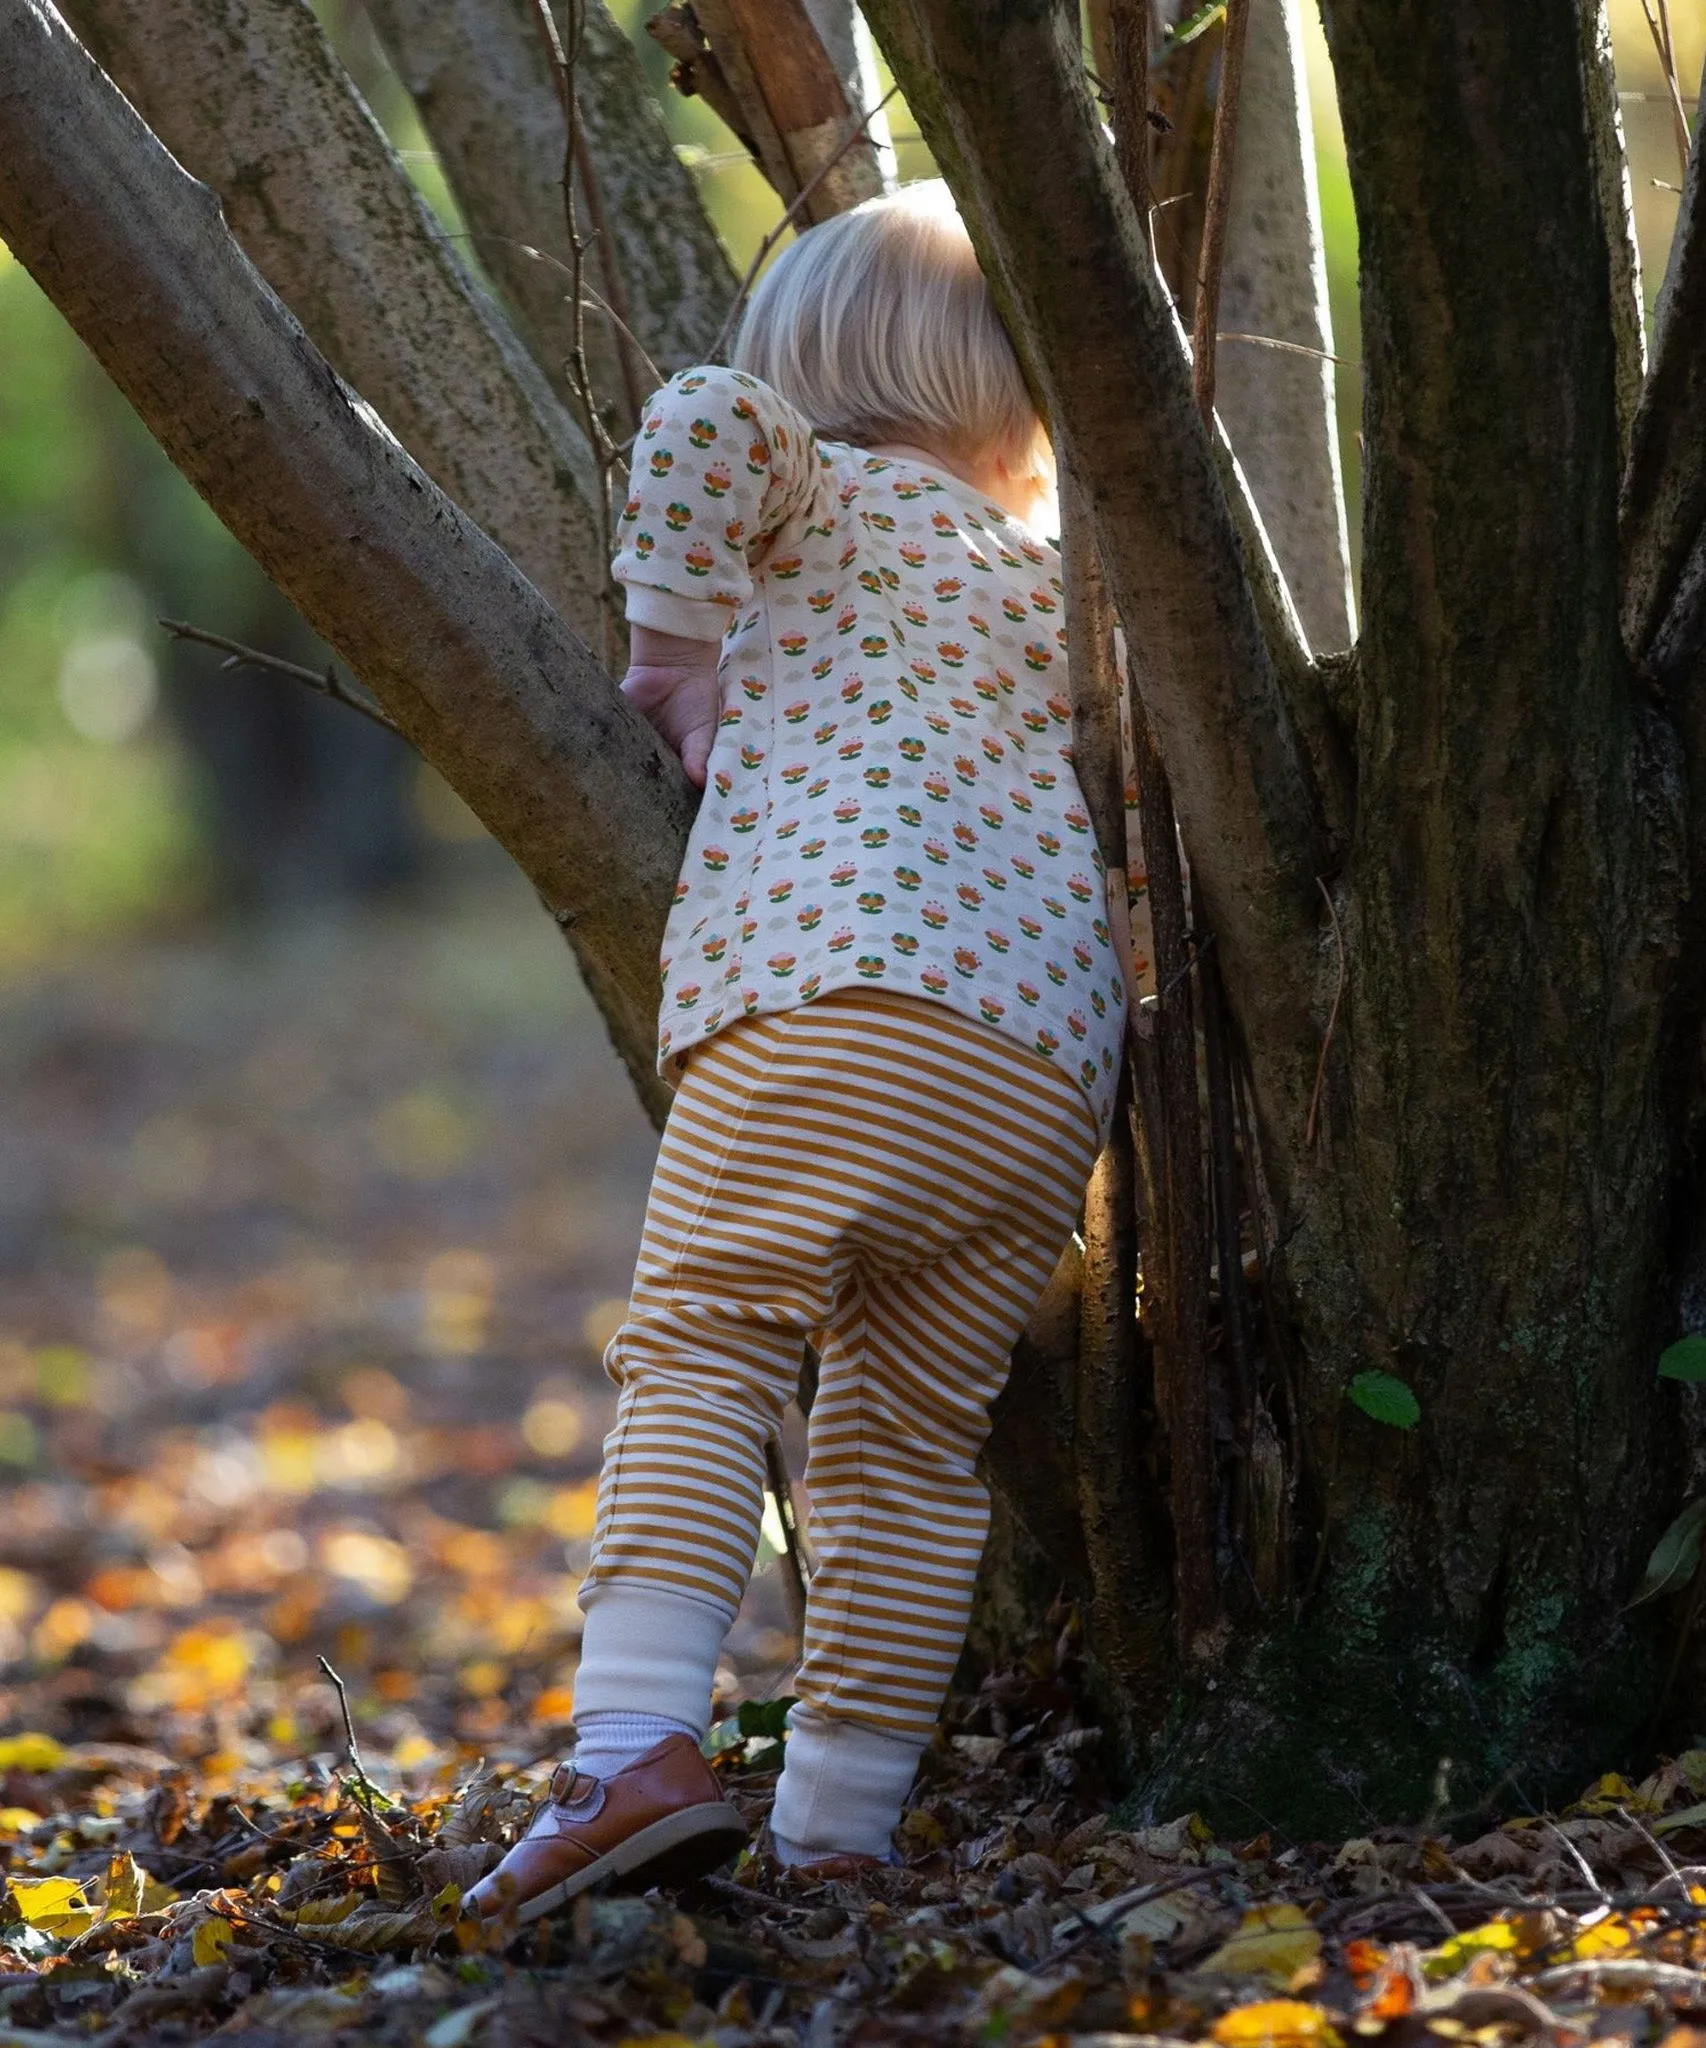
x=310 y=1238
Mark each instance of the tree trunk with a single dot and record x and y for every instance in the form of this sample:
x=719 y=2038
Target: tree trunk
x=1277 y=403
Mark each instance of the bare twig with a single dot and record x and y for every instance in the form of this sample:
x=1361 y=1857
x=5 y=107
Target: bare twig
x=1332 y=1016
x=593 y=302
x=1290 y=348
x=353 y=1746
x=326 y=682
x=562 y=60
x=791 y=213
x=793 y=1555
x=1658 y=27
x=1225 y=1184
x=1212 y=256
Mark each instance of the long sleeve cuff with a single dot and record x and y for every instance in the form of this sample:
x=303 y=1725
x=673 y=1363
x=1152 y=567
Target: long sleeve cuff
x=692 y=618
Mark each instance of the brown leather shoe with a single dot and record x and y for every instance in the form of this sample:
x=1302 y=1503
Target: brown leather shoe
x=662 y=1820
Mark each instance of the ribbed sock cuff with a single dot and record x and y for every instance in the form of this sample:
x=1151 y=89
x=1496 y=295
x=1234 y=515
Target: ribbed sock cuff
x=843 y=1785
x=607 y=1743
x=648 y=1651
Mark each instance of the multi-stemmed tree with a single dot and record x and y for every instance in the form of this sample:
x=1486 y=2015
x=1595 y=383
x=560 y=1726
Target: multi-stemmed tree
x=1371 y=1551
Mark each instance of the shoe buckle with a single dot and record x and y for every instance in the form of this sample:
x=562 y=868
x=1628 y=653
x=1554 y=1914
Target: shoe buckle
x=575 y=1796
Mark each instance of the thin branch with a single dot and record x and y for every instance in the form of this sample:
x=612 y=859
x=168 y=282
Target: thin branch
x=793 y=1553
x=326 y=682
x=855 y=130
x=561 y=61
x=592 y=302
x=1212 y=259
x=1659 y=29
x=1290 y=348
x=1332 y=1016
x=368 y=1794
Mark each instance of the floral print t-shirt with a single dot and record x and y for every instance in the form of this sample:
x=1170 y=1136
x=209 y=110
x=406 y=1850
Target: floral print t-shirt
x=890 y=798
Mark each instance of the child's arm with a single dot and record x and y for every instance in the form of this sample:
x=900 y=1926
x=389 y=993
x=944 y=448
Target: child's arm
x=720 y=466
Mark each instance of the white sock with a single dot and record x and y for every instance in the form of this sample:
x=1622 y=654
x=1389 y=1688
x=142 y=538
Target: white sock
x=646 y=1650
x=843 y=1785
x=610 y=1742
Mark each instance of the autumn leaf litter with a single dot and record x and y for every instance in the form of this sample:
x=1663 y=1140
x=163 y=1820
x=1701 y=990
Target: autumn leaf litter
x=313 y=1904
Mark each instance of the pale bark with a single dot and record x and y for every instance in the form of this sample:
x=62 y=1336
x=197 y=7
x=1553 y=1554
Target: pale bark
x=1001 y=96
x=455 y=642
x=1664 y=508
x=1610 y=160
x=477 y=73
x=251 y=99
x=847 y=41
x=1277 y=405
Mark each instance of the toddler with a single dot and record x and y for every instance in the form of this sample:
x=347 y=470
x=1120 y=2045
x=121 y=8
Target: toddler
x=893 y=1013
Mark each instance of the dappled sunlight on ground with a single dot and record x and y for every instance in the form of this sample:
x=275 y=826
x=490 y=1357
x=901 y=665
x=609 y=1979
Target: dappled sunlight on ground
x=310 y=1241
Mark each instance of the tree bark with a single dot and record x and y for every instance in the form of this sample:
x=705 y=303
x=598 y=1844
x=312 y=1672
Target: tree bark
x=1278 y=405
x=1664 y=509
x=1610 y=160
x=476 y=72
x=250 y=98
x=460 y=648
x=1485 y=1212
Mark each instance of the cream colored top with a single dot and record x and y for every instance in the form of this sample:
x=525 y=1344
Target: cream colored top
x=890 y=799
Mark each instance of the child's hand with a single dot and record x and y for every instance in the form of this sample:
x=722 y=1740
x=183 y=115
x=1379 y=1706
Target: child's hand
x=672 y=683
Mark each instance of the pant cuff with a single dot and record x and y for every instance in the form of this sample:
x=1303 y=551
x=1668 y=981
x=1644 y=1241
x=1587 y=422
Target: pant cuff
x=648 y=1651
x=843 y=1785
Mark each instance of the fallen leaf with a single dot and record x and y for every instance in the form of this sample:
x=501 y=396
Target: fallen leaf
x=31 y=1752
x=211 y=1939
x=1272 y=1941
x=1492 y=1937
x=54 y=1905
x=1277 y=2023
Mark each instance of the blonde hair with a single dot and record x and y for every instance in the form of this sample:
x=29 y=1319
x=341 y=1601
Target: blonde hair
x=879 y=326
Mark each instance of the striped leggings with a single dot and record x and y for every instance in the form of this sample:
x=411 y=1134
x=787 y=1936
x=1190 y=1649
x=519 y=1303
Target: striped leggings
x=894 y=1182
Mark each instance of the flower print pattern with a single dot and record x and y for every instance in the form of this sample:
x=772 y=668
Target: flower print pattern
x=890 y=796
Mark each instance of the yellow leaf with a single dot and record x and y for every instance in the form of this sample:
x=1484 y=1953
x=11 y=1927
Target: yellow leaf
x=1276 y=2023
x=31 y=1752
x=1689 y=1817
x=1452 y=1955
x=122 y=1889
x=55 y=1905
x=326 y=1912
x=210 y=1941
x=1606 y=1794
x=15 y=1819
x=1605 y=1937
x=1272 y=1941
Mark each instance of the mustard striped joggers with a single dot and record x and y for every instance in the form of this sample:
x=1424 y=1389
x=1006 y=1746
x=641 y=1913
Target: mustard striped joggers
x=895 y=1182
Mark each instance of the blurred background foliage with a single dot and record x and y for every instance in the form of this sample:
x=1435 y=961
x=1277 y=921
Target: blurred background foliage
x=137 y=782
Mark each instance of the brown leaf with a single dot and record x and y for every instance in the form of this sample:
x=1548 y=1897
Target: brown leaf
x=1498 y=1854
x=463 y=1867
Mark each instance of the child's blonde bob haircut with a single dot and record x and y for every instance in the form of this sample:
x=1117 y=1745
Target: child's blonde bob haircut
x=879 y=326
